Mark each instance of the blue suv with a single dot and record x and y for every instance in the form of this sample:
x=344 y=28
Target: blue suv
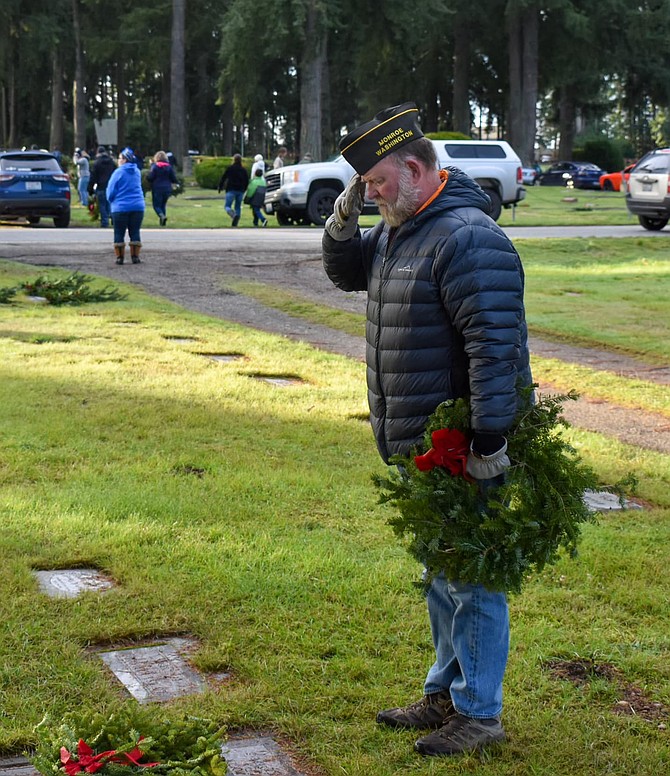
x=32 y=185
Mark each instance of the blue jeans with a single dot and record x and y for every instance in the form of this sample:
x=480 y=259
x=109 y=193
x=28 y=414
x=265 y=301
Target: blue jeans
x=470 y=628
x=103 y=207
x=258 y=215
x=236 y=197
x=159 y=202
x=130 y=220
x=82 y=188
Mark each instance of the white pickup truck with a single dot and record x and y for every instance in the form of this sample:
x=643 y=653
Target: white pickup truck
x=305 y=193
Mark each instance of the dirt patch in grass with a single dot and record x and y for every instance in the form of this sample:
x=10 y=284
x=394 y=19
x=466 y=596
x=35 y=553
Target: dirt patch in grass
x=633 y=701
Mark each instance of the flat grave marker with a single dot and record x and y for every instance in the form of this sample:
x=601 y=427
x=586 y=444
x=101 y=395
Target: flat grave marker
x=180 y=340
x=222 y=357
x=603 y=501
x=70 y=583
x=260 y=756
x=281 y=382
x=16 y=766
x=154 y=674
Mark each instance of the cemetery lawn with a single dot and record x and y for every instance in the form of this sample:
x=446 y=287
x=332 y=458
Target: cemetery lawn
x=596 y=293
x=241 y=514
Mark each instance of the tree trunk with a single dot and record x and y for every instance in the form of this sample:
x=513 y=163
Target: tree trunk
x=78 y=92
x=178 y=137
x=3 y=115
x=256 y=133
x=56 y=124
x=523 y=44
x=530 y=64
x=120 y=105
x=227 y=126
x=165 y=112
x=461 y=118
x=311 y=70
x=566 y=126
x=202 y=102
x=330 y=143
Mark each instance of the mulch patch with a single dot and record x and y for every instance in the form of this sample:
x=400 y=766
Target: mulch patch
x=633 y=701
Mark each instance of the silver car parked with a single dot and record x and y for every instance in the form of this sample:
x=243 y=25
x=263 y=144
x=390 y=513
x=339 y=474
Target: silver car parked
x=648 y=189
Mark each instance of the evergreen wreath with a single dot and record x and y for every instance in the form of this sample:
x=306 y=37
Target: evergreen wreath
x=499 y=538
x=129 y=740
x=73 y=289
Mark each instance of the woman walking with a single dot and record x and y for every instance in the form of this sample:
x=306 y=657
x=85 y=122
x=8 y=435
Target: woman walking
x=161 y=178
x=126 y=199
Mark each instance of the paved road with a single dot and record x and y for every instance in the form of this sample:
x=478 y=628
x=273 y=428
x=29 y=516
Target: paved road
x=211 y=239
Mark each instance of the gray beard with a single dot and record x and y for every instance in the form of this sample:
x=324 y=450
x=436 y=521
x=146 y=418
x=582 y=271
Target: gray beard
x=406 y=204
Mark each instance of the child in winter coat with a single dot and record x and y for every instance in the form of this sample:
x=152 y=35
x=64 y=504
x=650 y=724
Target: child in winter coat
x=255 y=196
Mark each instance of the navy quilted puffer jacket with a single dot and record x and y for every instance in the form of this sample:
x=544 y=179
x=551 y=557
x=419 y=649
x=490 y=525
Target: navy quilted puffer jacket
x=445 y=315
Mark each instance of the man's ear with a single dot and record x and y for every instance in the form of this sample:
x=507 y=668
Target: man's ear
x=415 y=169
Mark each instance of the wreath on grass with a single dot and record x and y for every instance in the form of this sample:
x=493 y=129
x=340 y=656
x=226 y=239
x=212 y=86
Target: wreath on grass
x=130 y=740
x=499 y=537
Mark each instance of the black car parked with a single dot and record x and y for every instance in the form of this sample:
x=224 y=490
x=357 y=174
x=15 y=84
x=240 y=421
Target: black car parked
x=33 y=185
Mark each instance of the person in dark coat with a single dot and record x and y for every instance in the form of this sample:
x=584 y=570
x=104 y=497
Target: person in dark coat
x=235 y=179
x=103 y=167
x=161 y=178
x=446 y=320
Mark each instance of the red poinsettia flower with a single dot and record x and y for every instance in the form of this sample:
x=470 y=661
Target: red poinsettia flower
x=450 y=449
x=86 y=760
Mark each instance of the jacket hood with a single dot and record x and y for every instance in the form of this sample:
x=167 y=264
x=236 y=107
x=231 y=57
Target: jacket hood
x=128 y=169
x=461 y=191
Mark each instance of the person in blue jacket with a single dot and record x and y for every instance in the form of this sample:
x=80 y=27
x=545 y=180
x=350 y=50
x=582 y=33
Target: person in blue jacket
x=161 y=178
x=446 y=320
x=126 y=199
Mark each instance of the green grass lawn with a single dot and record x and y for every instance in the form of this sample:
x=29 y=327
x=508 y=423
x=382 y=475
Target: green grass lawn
x=599 y=293
x=242 y=514
x=543 y=206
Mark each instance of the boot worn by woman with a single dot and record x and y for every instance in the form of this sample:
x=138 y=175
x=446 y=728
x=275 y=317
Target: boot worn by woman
x=119 y=250
x=135 y=248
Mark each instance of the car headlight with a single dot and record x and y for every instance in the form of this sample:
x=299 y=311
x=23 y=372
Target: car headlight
x=290 y=176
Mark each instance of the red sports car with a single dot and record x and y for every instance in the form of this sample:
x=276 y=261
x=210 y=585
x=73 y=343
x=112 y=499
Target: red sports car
x=612 y=181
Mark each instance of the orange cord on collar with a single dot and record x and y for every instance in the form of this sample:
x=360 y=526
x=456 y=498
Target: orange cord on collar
x=444 y=177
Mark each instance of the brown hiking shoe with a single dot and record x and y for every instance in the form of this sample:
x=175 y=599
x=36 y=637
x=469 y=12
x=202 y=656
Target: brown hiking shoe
x=461 y=734
x=432 y=711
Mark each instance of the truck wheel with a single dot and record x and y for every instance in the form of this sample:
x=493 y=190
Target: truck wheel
x=284 y=220
x=496 y=204
x=320 y=205
x=652 y=224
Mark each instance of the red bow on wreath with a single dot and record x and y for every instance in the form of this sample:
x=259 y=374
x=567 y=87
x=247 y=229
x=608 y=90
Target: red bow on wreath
x=450 y=449
x=86 y=760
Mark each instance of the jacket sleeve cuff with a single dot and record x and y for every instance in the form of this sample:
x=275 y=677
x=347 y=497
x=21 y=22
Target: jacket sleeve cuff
x=487 y=444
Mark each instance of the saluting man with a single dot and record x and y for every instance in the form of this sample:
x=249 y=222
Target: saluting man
x=445 y=320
